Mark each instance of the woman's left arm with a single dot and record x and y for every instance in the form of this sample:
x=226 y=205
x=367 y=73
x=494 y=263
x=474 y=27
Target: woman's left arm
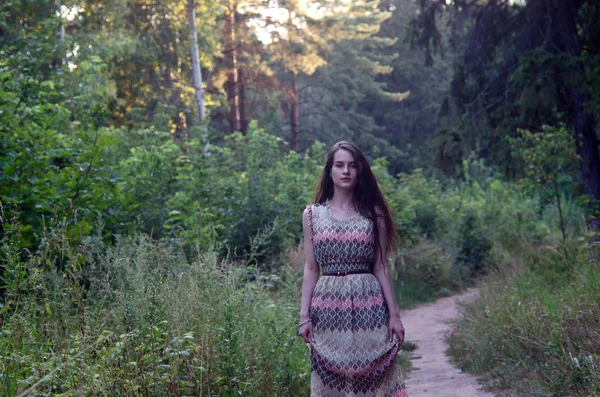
x=381 y=271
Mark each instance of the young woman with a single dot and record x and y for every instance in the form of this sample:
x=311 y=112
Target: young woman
x=348 y=314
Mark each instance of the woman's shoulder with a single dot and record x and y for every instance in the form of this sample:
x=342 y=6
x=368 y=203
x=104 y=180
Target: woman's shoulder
x=315 y=209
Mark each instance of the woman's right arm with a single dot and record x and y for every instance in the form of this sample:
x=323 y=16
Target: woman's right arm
x=311 y=276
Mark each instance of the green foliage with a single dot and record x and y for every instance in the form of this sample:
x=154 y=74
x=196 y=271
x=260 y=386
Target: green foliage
x=147 y=176
x=499 y=210
x=47 y=160
x=546 y=156
x=138 y=317
x=424 y=272
x=239 y=190
x=410 y=125
x=510 y=73
x=54 y=156
x=536 y=332
x=181 y=291
x=473 y=256
x=451 y=235
x=13 y=275
x=141 y=180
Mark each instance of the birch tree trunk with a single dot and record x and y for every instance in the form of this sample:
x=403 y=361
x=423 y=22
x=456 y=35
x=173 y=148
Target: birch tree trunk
x=232 y=76
x=62 y=32
x=196 y=72
x=62 y=22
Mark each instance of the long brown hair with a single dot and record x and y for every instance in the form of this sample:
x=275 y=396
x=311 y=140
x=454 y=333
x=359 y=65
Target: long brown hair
x=366 y=194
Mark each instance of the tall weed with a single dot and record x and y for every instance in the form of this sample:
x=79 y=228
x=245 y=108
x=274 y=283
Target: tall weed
x=140 y=318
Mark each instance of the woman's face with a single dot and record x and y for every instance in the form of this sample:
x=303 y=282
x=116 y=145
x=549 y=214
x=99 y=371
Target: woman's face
x=344 y=171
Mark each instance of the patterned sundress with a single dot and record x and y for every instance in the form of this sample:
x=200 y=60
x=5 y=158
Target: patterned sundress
x=351 y=355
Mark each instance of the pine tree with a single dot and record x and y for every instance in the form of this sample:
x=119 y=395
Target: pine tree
x=330 y=56
x=523 y=66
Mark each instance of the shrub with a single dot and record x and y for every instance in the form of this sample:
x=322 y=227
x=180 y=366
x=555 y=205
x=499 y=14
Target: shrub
x=473 y=256
x=424 y=271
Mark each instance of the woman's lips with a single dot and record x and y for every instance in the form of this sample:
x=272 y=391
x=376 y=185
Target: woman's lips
x=345 y=179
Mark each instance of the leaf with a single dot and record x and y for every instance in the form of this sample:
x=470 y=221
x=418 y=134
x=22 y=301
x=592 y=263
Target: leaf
x=47 y=84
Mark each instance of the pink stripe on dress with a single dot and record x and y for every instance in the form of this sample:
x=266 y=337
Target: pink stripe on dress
x=347 y=303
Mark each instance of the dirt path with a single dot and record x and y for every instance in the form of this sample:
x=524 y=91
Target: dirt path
x=433 y=375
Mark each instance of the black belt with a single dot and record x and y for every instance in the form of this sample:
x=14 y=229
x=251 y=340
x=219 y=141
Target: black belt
x=346 y=273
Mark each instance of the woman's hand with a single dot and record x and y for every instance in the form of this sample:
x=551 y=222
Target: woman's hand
x=395 y=326
x=306 y=332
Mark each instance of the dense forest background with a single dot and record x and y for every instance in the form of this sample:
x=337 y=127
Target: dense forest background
x=156 y=157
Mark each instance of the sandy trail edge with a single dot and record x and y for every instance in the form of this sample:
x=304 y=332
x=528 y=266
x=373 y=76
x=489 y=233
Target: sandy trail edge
x=433 y=375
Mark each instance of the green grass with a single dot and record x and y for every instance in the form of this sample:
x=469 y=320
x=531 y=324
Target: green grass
x=537 y=332
x=140 y=318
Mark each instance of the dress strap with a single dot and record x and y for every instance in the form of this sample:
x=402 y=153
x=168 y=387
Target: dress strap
x=310 y=220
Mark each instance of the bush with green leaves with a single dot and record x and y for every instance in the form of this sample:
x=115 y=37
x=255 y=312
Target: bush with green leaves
x=240 y=188
x=475 y=225
x=548 y=155
x=425 y=271
x=55 y=157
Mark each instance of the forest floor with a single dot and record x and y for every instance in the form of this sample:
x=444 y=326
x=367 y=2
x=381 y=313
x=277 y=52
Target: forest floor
x=433 y=374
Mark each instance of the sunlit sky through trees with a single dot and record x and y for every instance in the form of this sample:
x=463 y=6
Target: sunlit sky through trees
x=272 y=18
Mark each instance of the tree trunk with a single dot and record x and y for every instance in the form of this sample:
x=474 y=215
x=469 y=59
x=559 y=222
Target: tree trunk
x=177 y=49
x=196 y=72
x=567 y=40
x=587 y=145
x=62 y=22
x=170 y=54
x=293 y=93
x=232 y=76
x=177 y=91
x=294 y=114
x=242 y=92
